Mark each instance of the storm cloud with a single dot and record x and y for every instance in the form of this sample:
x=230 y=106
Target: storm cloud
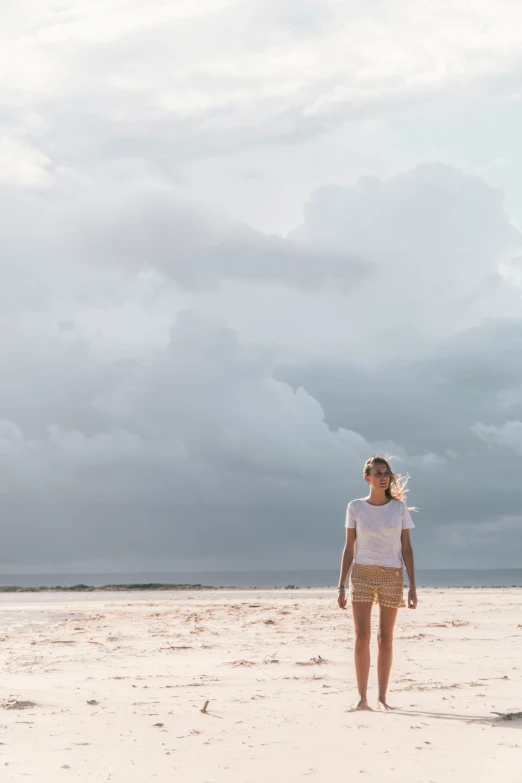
x=184 y=387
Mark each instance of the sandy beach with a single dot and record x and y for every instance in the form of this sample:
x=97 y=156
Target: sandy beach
x=117 y=690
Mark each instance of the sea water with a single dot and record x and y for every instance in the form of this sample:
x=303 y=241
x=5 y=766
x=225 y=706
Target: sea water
x=506 y=577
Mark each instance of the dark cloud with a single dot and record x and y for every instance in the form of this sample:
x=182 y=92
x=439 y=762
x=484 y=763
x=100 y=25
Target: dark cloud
x=462 y=403
x=79 y=227
x=201 y=451
x=198 y=251
x=209 y=444
x=198 y=450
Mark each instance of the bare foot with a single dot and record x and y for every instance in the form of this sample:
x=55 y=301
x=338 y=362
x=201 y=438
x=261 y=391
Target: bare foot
x=362 y=706
x=383 y=706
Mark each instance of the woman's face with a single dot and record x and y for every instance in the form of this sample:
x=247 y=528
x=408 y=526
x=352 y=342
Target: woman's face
x=379 y=477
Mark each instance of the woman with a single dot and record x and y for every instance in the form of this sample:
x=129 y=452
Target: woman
x=380 y=526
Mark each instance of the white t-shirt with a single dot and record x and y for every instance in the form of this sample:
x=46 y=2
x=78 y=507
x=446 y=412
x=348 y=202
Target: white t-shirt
x=379 y=530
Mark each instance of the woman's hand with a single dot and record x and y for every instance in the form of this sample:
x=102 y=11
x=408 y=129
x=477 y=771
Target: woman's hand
x=412 y=598
x=342 y=599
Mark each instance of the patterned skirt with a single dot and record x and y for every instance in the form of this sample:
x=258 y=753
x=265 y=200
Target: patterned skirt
x=377 y=585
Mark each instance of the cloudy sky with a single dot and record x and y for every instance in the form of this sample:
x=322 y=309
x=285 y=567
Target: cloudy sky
x=246 y=244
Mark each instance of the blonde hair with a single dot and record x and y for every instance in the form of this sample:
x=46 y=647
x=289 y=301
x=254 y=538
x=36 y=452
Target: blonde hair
x=396 y=489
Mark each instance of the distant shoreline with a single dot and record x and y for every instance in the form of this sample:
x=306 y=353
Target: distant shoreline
x=179 y=581
x=105 y=588
x=159 y=587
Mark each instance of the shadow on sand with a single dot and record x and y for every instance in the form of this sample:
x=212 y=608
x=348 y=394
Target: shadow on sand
x=512 y=720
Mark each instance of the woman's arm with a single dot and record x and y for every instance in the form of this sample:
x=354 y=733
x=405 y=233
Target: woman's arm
x=407 y=554
x=346 y=564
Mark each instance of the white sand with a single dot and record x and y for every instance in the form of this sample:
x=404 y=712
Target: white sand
x=276 y=668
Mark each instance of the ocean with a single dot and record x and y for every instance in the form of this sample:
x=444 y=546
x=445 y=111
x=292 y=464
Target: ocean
x=264 y=579
x=12 y=621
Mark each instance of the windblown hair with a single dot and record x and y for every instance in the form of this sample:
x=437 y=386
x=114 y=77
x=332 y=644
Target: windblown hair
x=397 y=487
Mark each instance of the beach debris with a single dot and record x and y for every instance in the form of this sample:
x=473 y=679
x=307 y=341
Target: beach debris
x=438 y=686
x=484 y=679
x=17 y=704
x=204 y=708
x=417 y=636
x=458 y=623
x=317 y=661
x=271 y=658
x=92 y=702
x=243 y=663
x=508 y=715
x=158 y=725
x=57 y=641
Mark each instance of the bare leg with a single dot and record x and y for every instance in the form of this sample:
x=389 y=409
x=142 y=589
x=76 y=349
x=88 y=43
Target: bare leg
x=362 y=617
x=384 y=662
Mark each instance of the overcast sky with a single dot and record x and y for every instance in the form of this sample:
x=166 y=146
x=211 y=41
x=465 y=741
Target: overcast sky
x=243 y=247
